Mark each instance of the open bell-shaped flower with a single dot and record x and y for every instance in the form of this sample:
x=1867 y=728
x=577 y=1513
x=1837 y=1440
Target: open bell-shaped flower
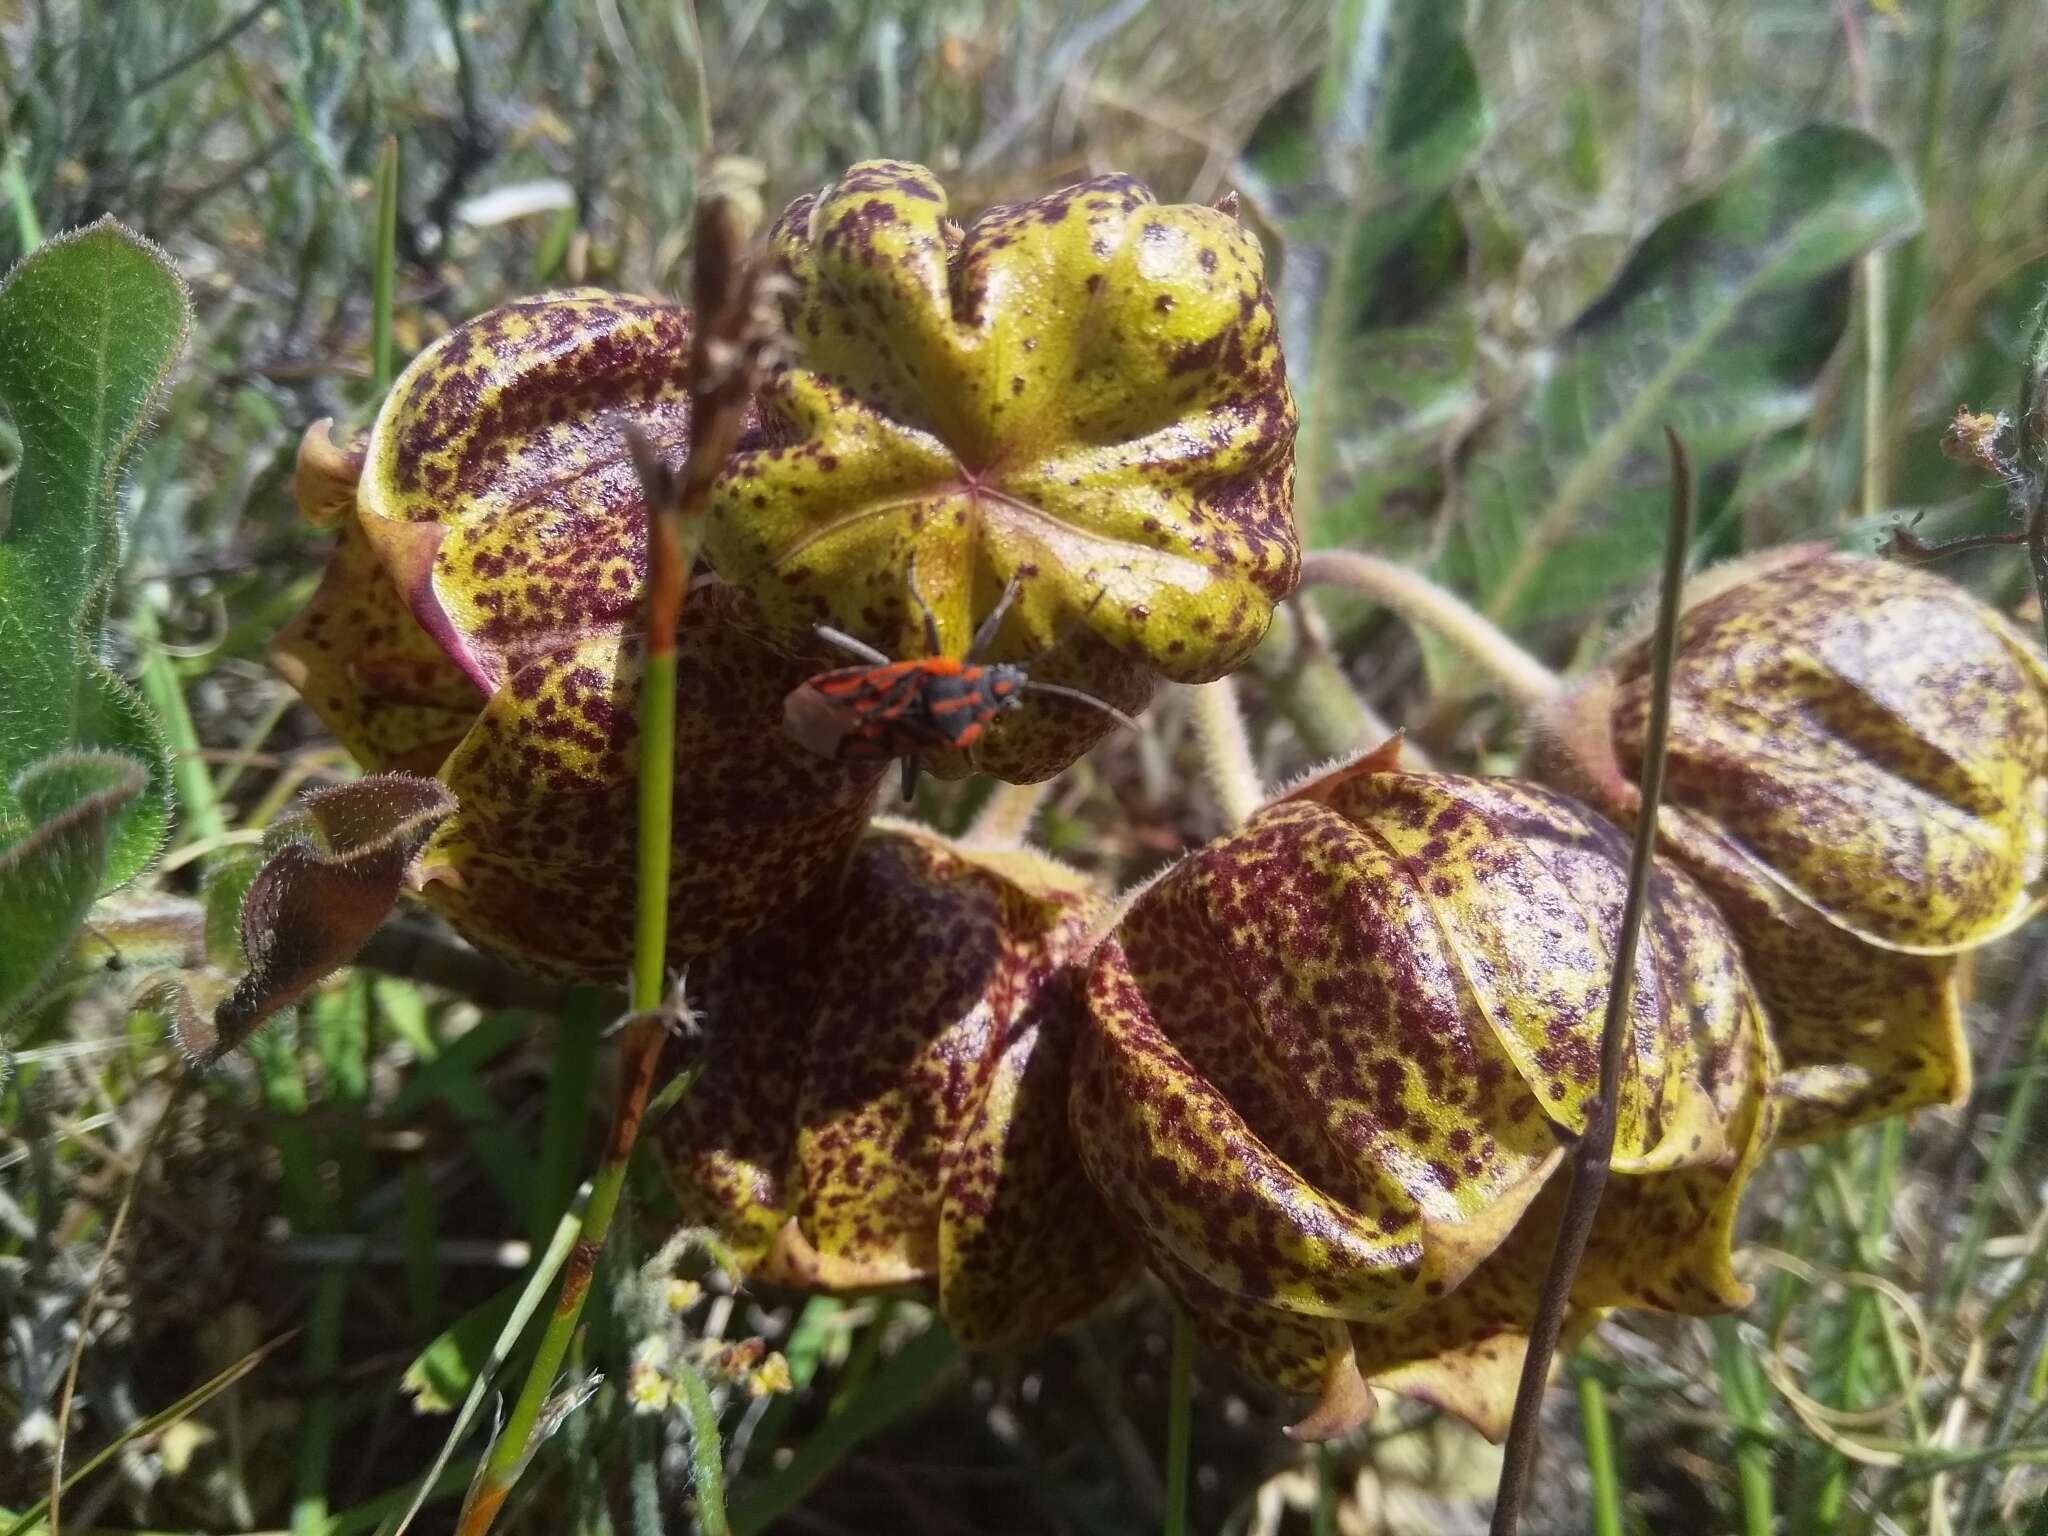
x=1858 y=777
x=1335 y=1057
x=479 y=622
x=1084 y=391
x=882 y=1099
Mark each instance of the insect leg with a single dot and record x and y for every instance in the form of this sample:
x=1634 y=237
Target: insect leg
x=848 y=644
x=910 y=767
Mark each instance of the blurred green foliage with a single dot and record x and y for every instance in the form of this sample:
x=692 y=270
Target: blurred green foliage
x=1509 y=241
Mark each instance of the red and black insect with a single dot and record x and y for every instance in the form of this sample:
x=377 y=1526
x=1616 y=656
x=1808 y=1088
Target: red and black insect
x=885 y=708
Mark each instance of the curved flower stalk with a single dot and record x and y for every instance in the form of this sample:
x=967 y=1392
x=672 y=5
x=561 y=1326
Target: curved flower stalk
x=1859 y=779
x=479 y=623
x=883 y=1094
x=1334 y=1057
x=1084 y=391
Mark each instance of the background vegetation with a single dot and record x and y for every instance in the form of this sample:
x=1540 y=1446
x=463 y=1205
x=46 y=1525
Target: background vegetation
x=1507 y=245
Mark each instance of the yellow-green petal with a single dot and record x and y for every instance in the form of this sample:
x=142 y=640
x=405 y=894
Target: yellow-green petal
x=1083 y=391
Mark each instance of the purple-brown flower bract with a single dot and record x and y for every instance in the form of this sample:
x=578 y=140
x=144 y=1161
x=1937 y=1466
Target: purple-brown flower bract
x=1084 y=390
x=1334 y=1058
x=884 y=1086
x=1859 y=779
x=479 y=623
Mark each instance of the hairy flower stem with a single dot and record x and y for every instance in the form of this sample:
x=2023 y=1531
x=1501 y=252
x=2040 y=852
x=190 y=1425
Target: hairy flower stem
x=707 y=1468
x=1004 y=820
x=1595 y=1149
x=720 y=381
x=1227 y=751
x=1307 y=687
x=1526 y=681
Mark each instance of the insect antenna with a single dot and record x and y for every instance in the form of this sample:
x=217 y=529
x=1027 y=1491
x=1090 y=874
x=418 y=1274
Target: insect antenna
x=931 y=622
x=852 y=647
x=1032 y=685
x=986 y=633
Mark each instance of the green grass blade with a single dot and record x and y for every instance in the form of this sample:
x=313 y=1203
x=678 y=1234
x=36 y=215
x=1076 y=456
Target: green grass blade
x=538 y=1285
x=164 y=1418
x=384 y=271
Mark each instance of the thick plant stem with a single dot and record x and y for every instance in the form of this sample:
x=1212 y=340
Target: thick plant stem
x=509 y=1453
x=721 y=372
x=1590 y=1159
x=1524 y=680
x=640 y=1051
x=1227 y=751
x=1309 y=689
x=657 y=825
x=1180 y=1385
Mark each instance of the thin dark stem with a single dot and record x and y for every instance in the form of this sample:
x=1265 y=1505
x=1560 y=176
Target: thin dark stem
x=1595 y=1149
x=2037 y=551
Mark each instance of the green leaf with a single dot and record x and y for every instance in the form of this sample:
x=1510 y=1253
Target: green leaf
x=447 y=1368
x=1354 y=173
x=90 y=324
x=1718 y=325
x=50 y=873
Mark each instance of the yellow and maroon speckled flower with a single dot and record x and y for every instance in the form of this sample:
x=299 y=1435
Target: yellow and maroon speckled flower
x=1334 y=1058
x=884 y=1090
x=478 y=623
x=1085 y=390
x=1859 y=778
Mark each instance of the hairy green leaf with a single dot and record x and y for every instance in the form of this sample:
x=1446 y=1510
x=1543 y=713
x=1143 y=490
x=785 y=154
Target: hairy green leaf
x=90 y=325
x=50 y=873
x=1718 y=325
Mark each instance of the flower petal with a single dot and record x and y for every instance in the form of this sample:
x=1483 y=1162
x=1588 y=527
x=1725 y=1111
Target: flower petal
x=1871 y=736
x=498 y=488
x=376 y=680
x=1084 y=391
x=538 y=864
x=884 y=1096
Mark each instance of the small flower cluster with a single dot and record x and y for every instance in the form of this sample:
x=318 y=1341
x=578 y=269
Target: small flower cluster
x=1320 y=1076
x=658 y=1305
